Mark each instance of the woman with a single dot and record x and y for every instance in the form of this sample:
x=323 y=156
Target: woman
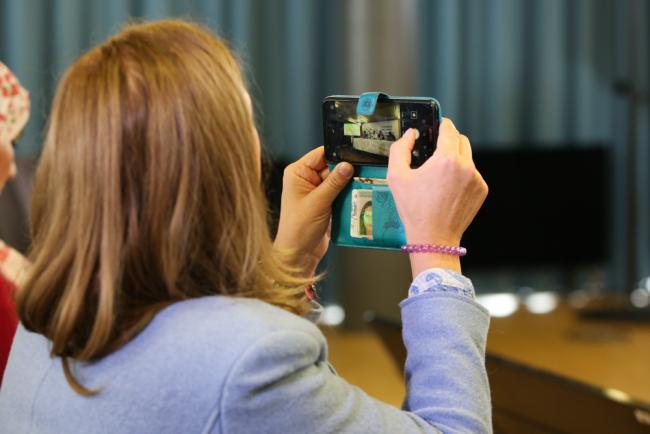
x=14 y=112
x=157 y=302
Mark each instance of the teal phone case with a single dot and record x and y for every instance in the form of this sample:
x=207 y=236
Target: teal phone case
x=387 y=229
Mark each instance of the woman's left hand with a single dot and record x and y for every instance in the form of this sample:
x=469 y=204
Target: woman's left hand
x=308 y=191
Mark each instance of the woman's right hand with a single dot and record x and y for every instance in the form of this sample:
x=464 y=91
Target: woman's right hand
x=438 y=200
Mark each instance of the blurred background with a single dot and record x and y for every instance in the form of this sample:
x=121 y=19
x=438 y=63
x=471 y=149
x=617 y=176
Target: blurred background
x=552 y=93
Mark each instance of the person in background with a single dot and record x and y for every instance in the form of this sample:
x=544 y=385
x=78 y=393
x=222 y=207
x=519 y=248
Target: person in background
x=156 y=301
x=14 y=112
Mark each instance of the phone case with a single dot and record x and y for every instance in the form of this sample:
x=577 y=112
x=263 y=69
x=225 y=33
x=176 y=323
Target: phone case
x=387 y=229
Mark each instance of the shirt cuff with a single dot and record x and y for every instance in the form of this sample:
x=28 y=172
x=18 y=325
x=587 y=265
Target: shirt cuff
x=441 y=280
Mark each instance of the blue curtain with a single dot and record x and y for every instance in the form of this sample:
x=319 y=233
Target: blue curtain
x=521 y=72
x=285 y=45
x=543 y=73
x=510 y=72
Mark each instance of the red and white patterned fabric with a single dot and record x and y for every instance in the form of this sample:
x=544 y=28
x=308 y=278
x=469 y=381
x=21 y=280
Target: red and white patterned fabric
x=14 y=112
x=14 y=105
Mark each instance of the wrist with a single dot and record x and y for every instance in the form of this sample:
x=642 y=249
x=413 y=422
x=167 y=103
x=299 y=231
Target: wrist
x=303 y=263
x=423 y=261
x=415 y=237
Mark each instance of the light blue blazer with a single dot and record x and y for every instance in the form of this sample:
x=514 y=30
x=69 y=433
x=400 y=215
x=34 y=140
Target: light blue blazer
x=230 y=365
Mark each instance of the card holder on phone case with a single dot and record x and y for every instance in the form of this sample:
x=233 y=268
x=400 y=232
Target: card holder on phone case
x=385 y=230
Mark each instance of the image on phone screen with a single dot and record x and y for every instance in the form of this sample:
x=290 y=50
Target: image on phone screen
x=360 y=139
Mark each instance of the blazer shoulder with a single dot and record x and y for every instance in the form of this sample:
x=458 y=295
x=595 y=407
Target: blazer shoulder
x=233 y=318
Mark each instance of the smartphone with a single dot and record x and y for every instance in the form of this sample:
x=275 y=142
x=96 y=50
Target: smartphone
x=366 y=140
x=364 y=213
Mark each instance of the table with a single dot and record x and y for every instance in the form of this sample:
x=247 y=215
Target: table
x=556 y=367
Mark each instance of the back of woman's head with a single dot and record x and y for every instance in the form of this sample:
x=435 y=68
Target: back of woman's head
x=147 y=192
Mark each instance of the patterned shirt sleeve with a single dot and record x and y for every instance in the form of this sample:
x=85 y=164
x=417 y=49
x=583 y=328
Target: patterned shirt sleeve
x=441 y=280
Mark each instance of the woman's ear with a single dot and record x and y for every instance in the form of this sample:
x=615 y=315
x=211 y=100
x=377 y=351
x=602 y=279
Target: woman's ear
x=7 y=164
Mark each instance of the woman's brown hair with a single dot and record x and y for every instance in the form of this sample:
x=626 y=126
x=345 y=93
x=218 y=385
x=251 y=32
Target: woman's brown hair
x=147 y=193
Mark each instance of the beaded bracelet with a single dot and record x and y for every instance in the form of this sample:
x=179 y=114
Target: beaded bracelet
x=434 y=248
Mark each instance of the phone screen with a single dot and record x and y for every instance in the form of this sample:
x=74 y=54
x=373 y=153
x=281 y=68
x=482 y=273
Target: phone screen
x=361 y=139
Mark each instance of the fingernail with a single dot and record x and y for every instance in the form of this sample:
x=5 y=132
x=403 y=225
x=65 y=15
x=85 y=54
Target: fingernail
x=415 y=133
x=346 y=169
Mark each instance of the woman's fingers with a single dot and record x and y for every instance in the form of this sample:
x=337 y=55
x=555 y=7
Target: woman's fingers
x=400 y=152
x=314 y=159
x=324 y=173
x=449 y=145
x=311 y=167
x=448 y=138
x=332 y=185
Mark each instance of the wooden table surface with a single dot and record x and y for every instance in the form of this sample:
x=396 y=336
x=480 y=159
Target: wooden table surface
x=606 y=354
x=361 y=358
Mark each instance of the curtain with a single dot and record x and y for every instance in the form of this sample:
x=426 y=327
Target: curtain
x=542 y=73
x=288 y=48
x=511 y=73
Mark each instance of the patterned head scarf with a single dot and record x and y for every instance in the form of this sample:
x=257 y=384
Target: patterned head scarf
x=14 y=105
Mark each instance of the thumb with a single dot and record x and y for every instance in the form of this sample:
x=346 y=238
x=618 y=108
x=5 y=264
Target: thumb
x=334 y=183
